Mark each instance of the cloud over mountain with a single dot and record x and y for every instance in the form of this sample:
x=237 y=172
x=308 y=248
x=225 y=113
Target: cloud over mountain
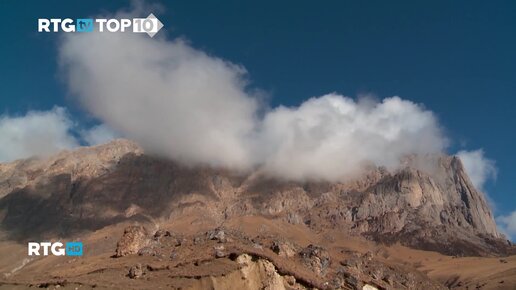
x=36 y=133
x=478 y=167
x=507 y=225
x=182 y=103
x=98 y=134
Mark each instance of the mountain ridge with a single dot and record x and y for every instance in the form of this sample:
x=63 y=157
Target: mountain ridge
x=91 y=187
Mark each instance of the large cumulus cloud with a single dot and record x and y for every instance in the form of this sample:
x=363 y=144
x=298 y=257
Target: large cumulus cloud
x=182 y=103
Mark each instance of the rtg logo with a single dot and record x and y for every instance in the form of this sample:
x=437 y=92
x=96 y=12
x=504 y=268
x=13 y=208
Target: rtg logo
x=56 y=249
x=150 y=25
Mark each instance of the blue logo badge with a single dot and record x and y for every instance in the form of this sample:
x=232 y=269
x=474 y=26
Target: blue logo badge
x=84 y=25
x=74 y=249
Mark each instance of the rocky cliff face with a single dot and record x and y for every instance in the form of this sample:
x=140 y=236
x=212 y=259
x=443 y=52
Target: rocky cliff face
x=429 y=203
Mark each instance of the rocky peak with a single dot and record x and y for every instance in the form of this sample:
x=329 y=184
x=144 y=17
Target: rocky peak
x=84 y=162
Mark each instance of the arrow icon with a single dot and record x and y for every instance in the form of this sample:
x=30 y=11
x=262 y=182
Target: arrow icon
x=150 y=25
x=157 y=25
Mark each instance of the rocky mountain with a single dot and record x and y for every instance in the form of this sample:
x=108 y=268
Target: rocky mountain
x=429 y=203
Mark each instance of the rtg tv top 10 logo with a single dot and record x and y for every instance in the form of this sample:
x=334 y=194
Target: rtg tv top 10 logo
x=150 y=25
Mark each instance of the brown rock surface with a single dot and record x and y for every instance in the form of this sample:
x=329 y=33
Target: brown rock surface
x=434 y=206
x=133 y=240
x=219 y=227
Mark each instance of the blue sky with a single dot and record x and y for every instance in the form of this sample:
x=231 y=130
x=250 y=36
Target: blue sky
x=457 y=58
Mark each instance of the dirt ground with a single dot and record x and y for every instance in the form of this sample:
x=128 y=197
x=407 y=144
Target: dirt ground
x=194 y=265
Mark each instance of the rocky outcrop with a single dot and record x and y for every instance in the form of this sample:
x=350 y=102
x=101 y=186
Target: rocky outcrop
x=132 y=241
x=284 y=248
x=83 y=163
x=358 y=271
x=136 y=271
x=428 y=203
x=264 y=271
x=316 y=258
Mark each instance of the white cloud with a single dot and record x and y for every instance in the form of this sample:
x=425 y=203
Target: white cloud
x=332 y=136
x=99 y=134
x=507 y=225
x=478 y=167
x=173 y=99
x=195 y=108
x=38 y=133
